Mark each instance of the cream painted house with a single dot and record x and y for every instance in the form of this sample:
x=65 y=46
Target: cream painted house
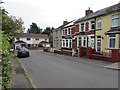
x=30 y=40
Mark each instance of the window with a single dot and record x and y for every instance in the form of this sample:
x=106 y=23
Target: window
x=84 y=41
x=92 y=25
x=80 y=42
x=99 y=24
x=112 y=41
x=82 y=27
x=63 y=43
x=115 y=21
x=63 y=33
x=92 y=42
x=70 y=42
x=66 y=43
x=69 y=31
x=37 y=39
x=18 y=39
x=28 y=38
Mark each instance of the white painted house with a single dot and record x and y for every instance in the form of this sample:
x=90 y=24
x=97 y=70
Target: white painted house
x=30 y=40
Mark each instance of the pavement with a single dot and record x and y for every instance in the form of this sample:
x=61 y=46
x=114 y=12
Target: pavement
x=104 y=64
x=19 y=77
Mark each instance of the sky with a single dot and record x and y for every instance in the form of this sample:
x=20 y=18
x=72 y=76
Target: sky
x=48 y=13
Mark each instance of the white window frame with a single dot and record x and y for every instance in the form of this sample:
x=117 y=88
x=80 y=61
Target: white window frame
x=109 y=42
x=100 y=40
x=99 y=22
x=115 y=17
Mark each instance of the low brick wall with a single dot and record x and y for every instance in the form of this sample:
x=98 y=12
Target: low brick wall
x=57 y=51
x=66 y=52
x=100 y=57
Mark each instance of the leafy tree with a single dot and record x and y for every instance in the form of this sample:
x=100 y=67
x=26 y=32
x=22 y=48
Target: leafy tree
x=11 y=25
x=48 y=30
x=34 y=29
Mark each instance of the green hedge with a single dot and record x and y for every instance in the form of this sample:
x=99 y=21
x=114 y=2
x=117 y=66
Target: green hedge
x=6 y=70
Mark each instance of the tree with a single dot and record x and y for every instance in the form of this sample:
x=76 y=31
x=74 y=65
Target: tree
x=48 y=31
x=34 y=29
x=11 y=25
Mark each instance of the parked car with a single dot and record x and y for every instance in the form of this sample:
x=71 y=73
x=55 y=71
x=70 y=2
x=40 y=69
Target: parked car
x=23 y=52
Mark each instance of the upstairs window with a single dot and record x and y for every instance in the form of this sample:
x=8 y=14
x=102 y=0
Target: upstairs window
x=99 y=24
x=28 y=39
x=17 y=39
x=63 y=32
x=82 y=27
x=115 y=21
x=69 y=31
x=37 y=39
x=92 y=25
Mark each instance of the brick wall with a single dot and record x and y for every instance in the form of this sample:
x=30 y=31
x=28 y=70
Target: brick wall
x=87 y=26
x=66 y=52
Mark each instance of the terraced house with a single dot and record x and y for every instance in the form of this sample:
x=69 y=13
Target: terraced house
x=96 y=35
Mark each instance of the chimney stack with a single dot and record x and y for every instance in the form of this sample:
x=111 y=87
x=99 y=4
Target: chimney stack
x=65 y=22
x=88 y=12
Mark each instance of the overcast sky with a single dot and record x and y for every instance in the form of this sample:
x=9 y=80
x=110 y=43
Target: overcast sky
x=52 y=12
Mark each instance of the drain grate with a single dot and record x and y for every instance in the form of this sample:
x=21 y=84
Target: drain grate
x=19 y=70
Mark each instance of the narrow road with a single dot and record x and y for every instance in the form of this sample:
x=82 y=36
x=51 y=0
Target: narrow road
x=48 y=71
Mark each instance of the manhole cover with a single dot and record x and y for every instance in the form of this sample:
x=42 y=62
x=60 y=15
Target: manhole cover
x=19 y=70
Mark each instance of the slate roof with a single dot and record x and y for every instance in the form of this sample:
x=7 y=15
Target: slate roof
x=29 y=35
x=20 y=42
x=44 y=42
x=101 y=12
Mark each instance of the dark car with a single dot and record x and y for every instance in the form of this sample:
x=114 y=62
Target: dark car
x=23 y=52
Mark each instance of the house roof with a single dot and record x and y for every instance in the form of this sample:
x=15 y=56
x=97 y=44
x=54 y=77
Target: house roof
x=113 y=31
x=44 y=42
x=29 y=35
x=21 y=42
x=71 y=23
x=101 y=12
x=62 y=26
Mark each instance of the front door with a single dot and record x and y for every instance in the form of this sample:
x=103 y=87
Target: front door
x=98 y=44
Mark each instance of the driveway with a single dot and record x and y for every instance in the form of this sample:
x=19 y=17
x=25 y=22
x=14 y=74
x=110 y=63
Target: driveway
x=50 y=71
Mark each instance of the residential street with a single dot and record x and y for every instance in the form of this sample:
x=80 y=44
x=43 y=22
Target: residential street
x=49 y=71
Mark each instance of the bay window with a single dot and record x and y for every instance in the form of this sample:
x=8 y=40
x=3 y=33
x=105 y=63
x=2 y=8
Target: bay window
x=80 y=42
x=112 y=40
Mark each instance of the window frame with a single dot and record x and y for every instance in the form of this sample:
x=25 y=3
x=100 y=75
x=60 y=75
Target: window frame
x=82 y=27
x=115 y=17
x=99 y=23
x=91 y=24
x=111 y=37
x=28 y=39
